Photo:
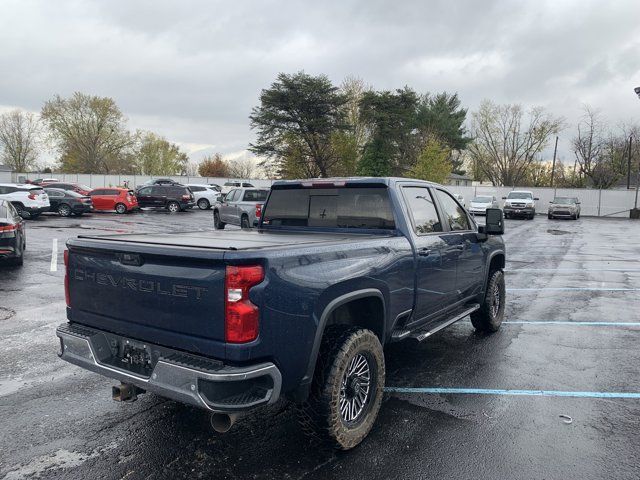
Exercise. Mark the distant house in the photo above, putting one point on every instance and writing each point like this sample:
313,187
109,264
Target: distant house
456,180
5,174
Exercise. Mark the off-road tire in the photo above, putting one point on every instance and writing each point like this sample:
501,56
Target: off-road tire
120,208
487,318
320,415
217,223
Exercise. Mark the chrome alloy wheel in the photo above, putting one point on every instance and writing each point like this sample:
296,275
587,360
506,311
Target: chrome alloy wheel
355,389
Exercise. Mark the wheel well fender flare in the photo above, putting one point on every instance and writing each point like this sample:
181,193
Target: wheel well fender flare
494,254
324,317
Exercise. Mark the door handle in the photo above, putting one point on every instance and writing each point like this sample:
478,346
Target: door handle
424,252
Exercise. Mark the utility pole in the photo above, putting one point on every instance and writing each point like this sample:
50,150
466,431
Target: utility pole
553,165
629,165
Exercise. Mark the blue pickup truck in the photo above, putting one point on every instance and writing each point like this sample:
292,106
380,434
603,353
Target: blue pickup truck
300,308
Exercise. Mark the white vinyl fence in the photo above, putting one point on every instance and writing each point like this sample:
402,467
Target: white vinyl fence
95,180
597,203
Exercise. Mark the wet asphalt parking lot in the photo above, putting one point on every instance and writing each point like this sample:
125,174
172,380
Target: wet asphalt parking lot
569,346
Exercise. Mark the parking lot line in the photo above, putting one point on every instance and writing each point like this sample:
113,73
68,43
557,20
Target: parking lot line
577,323
54,255
578,289
514,270
492,391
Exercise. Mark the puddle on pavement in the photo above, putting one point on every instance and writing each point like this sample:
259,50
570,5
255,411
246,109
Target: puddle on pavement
6,313
557,232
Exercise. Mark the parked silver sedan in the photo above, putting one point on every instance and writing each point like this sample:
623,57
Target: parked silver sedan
480,204
241,206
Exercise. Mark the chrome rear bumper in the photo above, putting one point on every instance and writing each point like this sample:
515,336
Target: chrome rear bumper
186,378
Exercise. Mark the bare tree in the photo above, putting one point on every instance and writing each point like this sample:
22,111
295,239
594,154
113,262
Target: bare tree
242,168
506,143
598,152
19,139
353,88
88,130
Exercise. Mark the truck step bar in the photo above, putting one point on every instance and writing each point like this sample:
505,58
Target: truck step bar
421,335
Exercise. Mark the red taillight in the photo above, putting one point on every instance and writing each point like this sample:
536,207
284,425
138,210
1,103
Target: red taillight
32,196
8,228
186,197
66,278
258,210
241,316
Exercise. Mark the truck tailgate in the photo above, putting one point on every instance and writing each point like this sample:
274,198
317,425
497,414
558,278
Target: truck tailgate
157,294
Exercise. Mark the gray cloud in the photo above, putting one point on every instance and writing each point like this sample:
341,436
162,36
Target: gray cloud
193,70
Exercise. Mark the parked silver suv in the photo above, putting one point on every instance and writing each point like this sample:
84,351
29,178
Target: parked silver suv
566,207
241,206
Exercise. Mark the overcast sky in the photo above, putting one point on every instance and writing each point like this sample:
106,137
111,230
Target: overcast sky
193,70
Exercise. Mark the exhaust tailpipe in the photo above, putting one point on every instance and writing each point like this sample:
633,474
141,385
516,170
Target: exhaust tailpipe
222,422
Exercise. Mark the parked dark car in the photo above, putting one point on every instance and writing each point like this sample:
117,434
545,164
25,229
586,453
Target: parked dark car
13,237
175,198
73,187
158,181
300,308
67,202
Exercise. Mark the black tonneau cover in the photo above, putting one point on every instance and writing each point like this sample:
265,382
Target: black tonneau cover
231,239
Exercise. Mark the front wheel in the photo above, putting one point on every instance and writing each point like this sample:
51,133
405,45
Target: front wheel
217,223
346,392
491,313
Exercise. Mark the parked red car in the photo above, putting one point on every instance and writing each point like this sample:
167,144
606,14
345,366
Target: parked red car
122,200
74,187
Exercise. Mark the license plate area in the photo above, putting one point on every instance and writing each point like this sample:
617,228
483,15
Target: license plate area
133,356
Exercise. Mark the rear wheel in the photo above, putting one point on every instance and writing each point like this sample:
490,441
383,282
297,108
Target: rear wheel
244,222
549,216
121,208
203,204
22,212
173,207
217,223
64,210
489,317
347,388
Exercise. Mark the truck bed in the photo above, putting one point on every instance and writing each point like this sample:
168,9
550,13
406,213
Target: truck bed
234,240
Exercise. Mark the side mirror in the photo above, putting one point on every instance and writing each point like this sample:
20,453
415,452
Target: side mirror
504,198
494,224
577,203
550,201
536,198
